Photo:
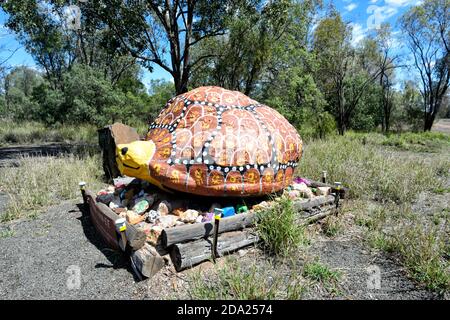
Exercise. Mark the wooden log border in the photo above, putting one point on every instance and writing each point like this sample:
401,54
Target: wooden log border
191,232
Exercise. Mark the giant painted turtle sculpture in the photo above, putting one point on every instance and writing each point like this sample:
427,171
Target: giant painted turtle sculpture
215,142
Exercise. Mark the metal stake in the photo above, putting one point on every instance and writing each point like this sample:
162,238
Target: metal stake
217,216
324,176
82,186
121,227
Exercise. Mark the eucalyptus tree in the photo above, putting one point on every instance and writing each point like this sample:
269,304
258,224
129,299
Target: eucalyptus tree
164,32
427,31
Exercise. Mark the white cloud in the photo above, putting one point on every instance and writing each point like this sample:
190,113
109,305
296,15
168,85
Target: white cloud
377,15
399,3
358,33
351,7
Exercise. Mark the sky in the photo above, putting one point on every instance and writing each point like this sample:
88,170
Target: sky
364,16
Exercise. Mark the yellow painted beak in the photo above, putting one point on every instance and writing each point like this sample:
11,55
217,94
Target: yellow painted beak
133,160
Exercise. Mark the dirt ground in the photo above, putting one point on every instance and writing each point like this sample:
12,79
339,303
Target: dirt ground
443,125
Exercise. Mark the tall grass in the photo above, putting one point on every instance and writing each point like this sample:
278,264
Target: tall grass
35,132
370,172
39,182
278,228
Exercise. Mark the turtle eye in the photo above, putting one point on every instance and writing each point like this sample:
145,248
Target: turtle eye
124,151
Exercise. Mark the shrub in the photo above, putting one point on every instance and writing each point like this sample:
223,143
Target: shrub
278,228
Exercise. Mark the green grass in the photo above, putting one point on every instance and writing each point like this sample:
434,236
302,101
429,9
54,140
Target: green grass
7,233
441,190
278,228
35,132
407,141
319,272
418,142
39,182
237,281
384,181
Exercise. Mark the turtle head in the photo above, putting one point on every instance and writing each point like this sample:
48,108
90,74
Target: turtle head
133,159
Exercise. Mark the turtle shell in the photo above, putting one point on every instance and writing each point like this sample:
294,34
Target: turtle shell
215,142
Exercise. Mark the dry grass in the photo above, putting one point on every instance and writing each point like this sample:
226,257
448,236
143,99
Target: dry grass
420,242
43,181
370,172
35,132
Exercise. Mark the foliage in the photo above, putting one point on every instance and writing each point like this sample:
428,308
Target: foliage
427,32
87,98
295,56
278,228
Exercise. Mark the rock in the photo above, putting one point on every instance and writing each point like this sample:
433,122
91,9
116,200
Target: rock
146,228
122,181
261,206
105,198
304,190
189,216
123,214
199,219
119,210
242,252
141,206
129,194
167,221
323,191
208,217
298,180
154,234
125,203
293,194
152,216
134,218
115,203
163,208
178,211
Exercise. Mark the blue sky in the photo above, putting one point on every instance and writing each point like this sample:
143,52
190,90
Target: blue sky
364,16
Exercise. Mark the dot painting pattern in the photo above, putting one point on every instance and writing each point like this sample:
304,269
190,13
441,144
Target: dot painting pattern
212,141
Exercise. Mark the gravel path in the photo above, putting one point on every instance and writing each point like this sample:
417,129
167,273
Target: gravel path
358,265
35,260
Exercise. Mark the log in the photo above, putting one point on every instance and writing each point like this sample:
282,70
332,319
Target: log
186,255
146,262
327,212
104,219
190,232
